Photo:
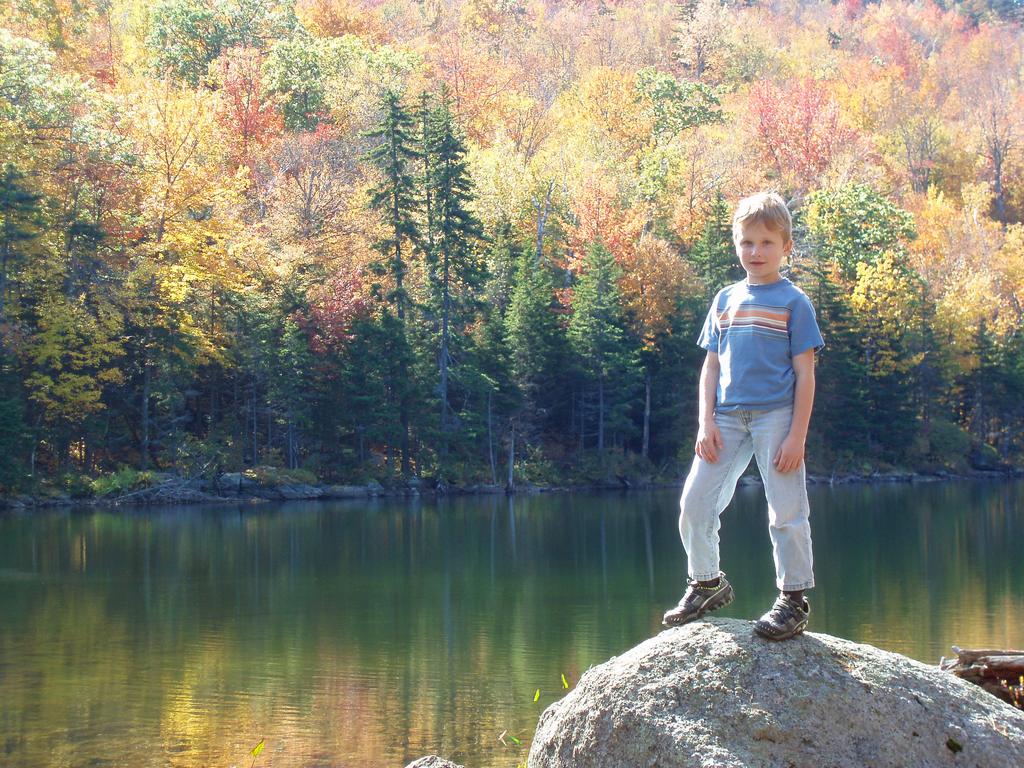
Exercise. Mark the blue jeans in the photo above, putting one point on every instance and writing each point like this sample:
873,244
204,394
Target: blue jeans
710,487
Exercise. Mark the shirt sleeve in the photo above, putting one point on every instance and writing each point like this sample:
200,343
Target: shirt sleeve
804,333
709,333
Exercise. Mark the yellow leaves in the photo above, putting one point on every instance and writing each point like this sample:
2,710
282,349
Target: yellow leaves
72,355
177,139
887,300
654,278
606,102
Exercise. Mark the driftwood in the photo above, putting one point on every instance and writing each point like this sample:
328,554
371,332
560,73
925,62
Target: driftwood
1001,673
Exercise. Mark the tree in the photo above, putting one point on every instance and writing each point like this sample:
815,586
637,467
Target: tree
534,338
185,36
598,335
714,255
245,109
801,130
886,300
13,432
456,268
395,200
854,224
20,223
296,72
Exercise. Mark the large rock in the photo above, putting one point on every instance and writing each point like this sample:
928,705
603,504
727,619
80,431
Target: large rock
713,694
432,761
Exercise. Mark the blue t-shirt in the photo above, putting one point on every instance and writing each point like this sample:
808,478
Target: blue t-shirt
756,331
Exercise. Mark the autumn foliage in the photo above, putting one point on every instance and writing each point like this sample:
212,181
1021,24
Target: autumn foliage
207,242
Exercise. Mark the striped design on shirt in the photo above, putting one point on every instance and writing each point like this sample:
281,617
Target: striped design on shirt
756,319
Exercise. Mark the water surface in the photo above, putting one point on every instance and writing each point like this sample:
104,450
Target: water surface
371,633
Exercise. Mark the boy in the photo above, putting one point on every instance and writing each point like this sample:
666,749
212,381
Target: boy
756,393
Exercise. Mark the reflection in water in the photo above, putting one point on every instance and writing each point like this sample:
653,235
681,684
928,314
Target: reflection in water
367,634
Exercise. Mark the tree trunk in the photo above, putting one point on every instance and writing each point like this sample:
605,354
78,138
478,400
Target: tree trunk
542,218
490,442
647,415
146,378
600,416
444,355
510,486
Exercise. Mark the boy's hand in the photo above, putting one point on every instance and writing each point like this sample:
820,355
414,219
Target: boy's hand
709,442
789,455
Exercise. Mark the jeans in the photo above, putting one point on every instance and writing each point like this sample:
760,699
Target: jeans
710,487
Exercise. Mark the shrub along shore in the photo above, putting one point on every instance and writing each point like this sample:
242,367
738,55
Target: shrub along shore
129,487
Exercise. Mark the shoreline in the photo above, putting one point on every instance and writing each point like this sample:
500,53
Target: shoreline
240,489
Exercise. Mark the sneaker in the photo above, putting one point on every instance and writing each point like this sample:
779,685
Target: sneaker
786,619
699,600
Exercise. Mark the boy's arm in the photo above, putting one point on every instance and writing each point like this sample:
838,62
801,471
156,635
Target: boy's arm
709,438
791,451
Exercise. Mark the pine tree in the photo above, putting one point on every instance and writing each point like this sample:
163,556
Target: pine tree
608,358
534,338
13,437
395,199
840,375
20,222
714,255
454,234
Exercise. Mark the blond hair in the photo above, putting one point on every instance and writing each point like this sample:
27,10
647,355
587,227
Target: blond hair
766,207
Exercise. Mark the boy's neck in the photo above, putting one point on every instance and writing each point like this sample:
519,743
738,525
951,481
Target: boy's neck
763,281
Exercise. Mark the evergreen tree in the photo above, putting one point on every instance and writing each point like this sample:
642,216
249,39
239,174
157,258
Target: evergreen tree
13,433
456,268
20,222
395,199
535,339
840,398
714,254
608,358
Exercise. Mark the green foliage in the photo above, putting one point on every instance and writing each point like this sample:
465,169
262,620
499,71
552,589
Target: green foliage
296,71
677,105
714,255
20,223
948,444
534,337
278,476
13,430
187,35
856,224
607,357
122,481
395,197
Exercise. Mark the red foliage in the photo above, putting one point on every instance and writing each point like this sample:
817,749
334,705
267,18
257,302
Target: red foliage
333,307
800,129
600,218
245,112
896,46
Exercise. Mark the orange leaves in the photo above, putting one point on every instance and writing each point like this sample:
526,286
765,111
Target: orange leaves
655,276
601,218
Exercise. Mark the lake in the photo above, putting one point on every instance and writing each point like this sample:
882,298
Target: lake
370,633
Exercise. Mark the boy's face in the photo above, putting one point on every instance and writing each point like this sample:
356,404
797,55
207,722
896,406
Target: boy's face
761,251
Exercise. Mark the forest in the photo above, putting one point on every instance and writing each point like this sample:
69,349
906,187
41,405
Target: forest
395,239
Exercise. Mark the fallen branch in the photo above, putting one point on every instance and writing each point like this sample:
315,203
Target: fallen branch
1001,673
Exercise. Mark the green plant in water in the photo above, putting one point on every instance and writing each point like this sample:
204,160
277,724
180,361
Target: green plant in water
255,751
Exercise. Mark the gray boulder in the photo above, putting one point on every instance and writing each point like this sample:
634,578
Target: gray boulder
432,761
345,492
711,693
299,491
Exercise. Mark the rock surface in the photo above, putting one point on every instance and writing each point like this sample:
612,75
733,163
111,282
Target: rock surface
432,761
713,694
